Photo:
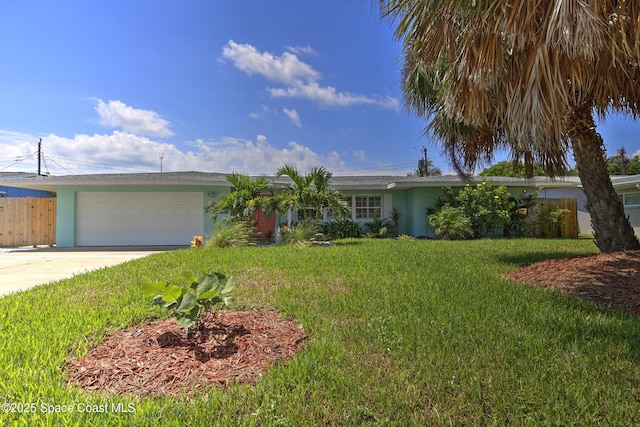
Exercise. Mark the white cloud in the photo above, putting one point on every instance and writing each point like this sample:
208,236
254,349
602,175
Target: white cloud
302,50
18,151
262,112
122,152
293,116
117,152
285,69
331,97
116,114
261,157
360,155
299,78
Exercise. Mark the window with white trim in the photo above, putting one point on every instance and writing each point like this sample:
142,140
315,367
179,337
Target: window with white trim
363,207
367,207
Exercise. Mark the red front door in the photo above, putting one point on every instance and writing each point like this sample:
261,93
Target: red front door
265,226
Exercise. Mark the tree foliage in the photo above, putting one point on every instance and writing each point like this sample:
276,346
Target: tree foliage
618,164
487,208
311,190
247,197
622,164
526,77
506,168
426,169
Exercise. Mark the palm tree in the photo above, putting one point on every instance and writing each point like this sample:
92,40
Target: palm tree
247,197
311,191
426,169
526,76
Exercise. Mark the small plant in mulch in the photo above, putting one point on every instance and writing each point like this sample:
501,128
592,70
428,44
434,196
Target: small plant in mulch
190,300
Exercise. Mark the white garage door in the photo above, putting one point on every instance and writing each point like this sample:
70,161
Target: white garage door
114,219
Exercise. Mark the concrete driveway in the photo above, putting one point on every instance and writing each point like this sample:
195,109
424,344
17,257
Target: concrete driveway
23,268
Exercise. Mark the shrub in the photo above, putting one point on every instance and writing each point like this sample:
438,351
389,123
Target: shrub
303,233
394,219
341,229
189,300
517,223
230,234
377,228
487,208
404,237
451,224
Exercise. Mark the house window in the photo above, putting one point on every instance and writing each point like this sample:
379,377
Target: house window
632,199
362,207
367,207
330,214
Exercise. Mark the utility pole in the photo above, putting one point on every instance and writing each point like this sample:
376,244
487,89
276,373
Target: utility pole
39,157
423,166
161,157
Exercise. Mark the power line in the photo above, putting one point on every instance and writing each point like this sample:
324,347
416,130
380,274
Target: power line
74,162
19,161
45,164
53,161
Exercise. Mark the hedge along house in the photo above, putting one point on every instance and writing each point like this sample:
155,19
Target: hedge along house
170,208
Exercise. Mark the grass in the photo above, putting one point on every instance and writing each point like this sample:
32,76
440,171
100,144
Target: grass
401,333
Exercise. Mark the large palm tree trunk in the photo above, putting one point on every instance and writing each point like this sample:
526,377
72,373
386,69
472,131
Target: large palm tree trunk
611,227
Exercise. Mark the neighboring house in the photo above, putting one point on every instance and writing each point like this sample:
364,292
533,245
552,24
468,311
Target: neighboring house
170,208
628,187
6,191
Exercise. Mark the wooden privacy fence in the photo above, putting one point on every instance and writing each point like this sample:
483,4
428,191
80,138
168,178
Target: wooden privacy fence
567,225
27,221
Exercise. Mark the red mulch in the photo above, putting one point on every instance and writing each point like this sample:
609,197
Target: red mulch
156,358
611,279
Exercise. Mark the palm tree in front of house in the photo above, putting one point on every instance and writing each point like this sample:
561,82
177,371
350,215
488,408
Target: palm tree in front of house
311,192
248,196
526,77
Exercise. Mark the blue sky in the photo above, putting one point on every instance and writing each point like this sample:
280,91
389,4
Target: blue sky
114,86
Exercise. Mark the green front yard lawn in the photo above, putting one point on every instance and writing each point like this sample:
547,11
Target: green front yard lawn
398,333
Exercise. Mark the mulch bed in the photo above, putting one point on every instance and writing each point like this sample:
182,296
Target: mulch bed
611,279
156,358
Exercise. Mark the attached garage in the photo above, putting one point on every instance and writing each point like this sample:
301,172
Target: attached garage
139,209
138,218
